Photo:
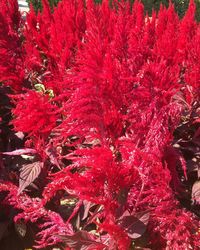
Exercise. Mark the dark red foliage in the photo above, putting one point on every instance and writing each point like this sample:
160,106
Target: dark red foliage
100,97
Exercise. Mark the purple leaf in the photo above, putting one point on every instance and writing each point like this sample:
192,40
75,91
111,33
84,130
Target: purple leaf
134,225
82,240
28,174
94,215
20,228
21,151
87,205
78,221
53,155
196,192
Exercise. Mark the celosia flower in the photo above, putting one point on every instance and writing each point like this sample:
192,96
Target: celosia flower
115,75
34,114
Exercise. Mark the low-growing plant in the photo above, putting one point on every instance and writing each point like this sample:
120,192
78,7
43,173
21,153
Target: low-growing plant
100,126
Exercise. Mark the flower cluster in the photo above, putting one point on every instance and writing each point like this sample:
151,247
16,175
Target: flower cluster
99,92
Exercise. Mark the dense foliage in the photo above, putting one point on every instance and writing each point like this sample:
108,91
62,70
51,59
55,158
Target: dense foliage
181,6
100,126
37,4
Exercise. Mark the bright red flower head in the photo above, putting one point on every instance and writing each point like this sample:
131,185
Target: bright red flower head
34,114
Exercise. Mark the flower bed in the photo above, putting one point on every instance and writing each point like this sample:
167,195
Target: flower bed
100,126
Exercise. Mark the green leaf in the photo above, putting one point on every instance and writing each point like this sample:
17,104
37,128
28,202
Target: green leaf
40,88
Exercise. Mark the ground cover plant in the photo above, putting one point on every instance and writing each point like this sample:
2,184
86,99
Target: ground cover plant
100,126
